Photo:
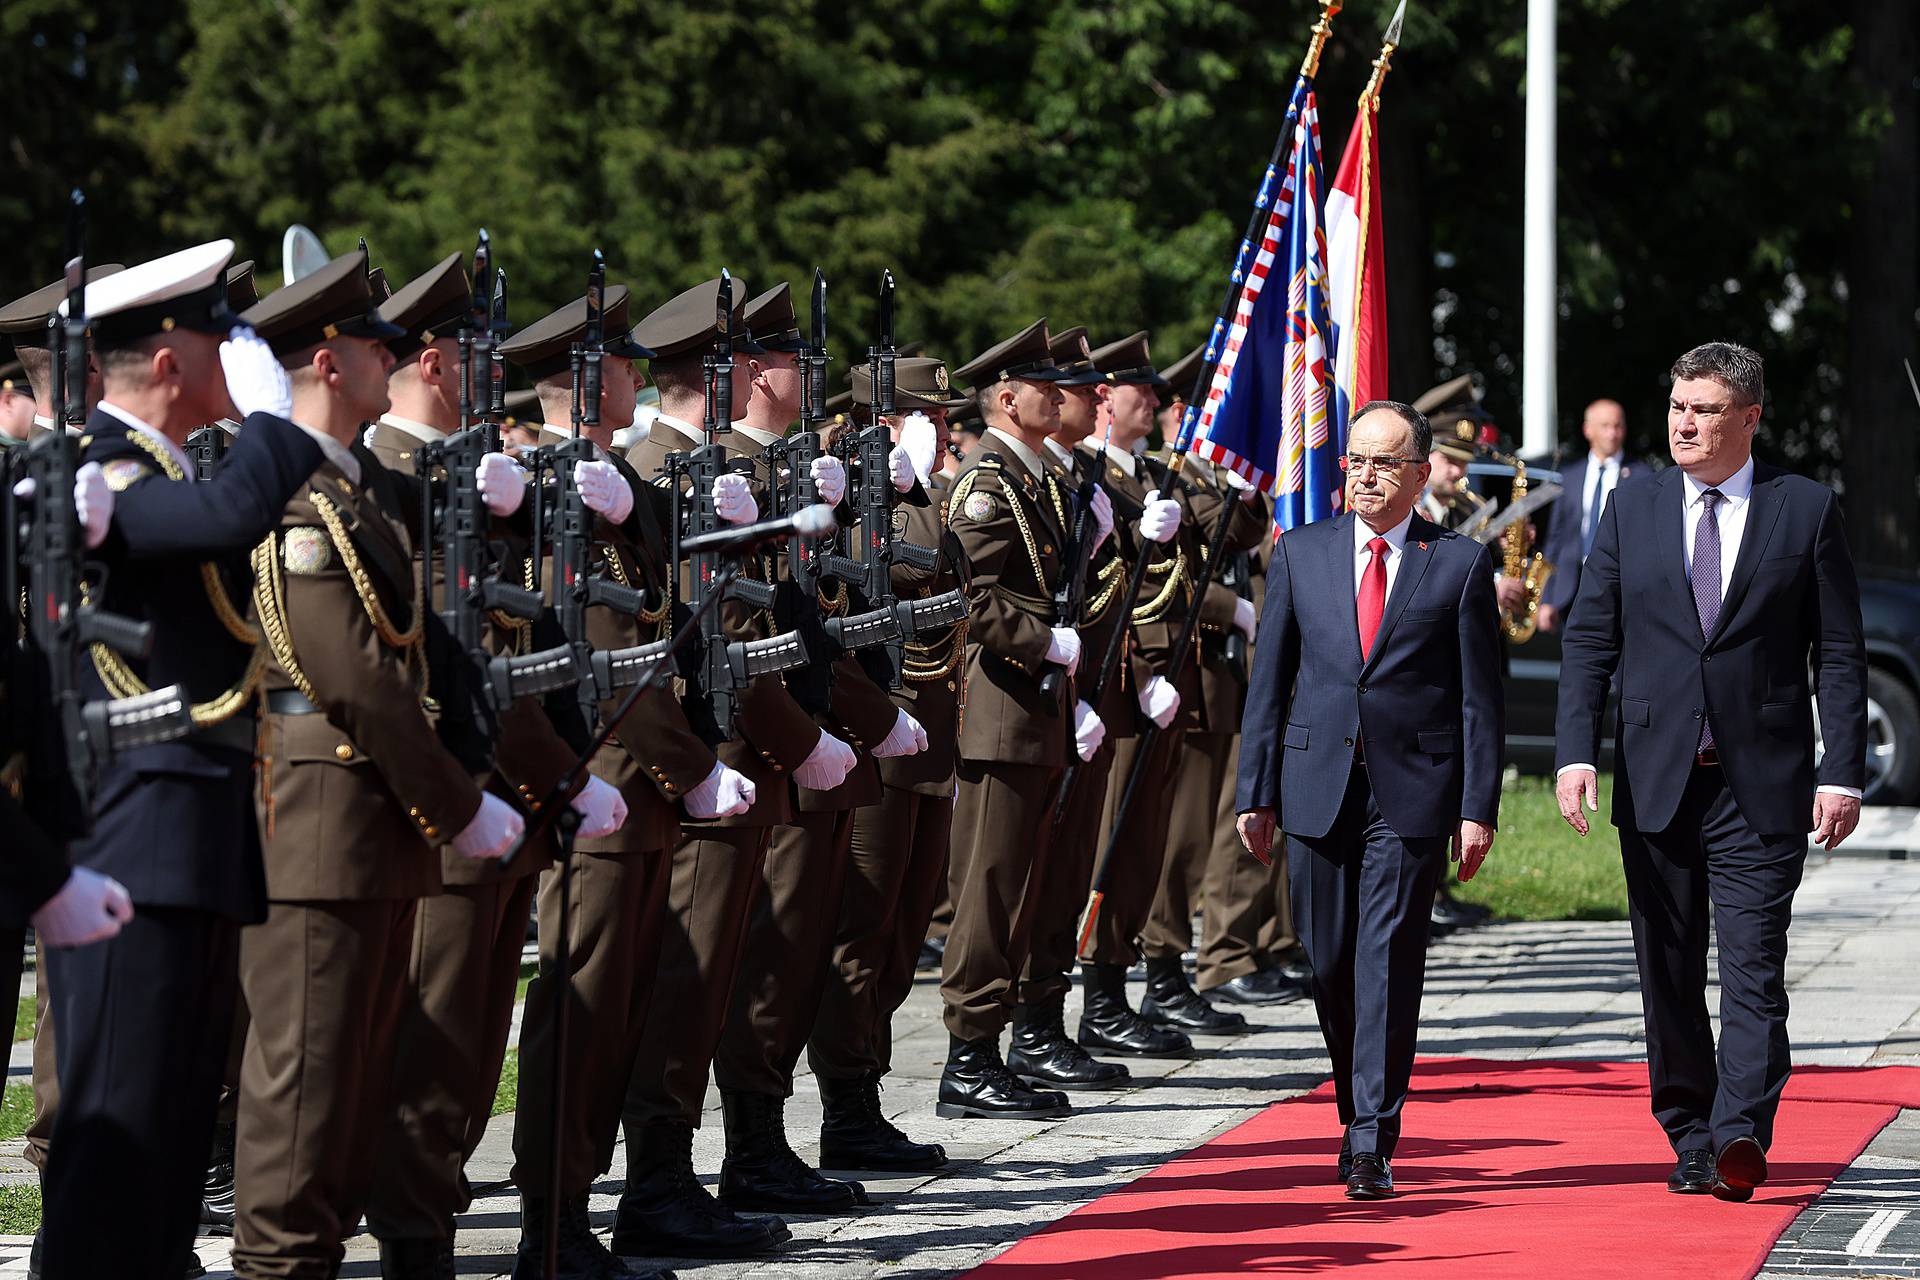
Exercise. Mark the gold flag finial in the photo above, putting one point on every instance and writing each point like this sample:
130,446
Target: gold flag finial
1321,30
1370,96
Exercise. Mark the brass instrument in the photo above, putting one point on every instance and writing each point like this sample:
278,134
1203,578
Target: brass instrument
1521,562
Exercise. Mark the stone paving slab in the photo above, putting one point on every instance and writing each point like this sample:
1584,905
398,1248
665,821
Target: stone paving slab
1515,991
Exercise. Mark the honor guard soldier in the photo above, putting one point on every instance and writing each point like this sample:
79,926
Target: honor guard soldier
784,960
16,405
716,866
1108,1022
897,862
172,821
357,793
24,321
1007,511
619,879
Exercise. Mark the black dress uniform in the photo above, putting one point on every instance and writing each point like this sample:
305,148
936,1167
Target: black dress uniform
143,1020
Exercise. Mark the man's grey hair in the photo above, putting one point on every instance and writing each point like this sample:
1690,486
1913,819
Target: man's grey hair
1737,368
1416,422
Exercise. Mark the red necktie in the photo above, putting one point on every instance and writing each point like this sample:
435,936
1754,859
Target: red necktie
1373,595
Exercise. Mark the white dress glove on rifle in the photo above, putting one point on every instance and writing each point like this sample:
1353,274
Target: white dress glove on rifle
900,469
492,831
921,441
1245,620
503,484
604,491
1064,648
733,498
906,738
1160,519
1160,701
93,502
726,793
1089,730
256,382
827,765
90,907
830,478
1102,517
1237,481
601,809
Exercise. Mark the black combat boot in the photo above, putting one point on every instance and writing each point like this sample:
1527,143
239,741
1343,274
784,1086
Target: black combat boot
216,1198
421,1260
1042,1053
666,1213
976,1083
855,1133
762,1172
1172,1002
580,1256
1108,1024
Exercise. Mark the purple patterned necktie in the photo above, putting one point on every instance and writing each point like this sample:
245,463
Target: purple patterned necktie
1706,582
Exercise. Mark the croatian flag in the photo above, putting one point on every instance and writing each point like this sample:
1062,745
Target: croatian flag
1358,270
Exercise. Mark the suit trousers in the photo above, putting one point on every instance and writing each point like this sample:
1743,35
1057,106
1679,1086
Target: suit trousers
896,868
715,877
142,1020
1141,851
461,984
788,951
617,921
1063,879
1001,826
1709,855
326,984
1364,899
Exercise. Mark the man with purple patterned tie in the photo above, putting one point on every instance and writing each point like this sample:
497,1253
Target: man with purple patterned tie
1721,595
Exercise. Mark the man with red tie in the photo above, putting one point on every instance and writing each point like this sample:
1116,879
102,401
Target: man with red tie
1374,727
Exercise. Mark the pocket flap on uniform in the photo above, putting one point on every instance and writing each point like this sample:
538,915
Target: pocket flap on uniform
1636,711
1297,736
310,739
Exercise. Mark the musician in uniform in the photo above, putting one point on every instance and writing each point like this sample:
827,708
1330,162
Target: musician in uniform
171,821
357,794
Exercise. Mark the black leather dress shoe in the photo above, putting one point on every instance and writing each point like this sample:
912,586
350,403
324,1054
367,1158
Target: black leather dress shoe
856,1134
761,1170
1275,985
1109,1025
1371,1179
1456,914
1043,1056
1692,1174
665,1212
1172,1002
1297,972
977,1085
1346,1157
1741,1167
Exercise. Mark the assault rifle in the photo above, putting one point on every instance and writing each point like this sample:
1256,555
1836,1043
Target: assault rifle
1070,594
798,608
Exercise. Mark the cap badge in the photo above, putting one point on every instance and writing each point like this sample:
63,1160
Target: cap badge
940,378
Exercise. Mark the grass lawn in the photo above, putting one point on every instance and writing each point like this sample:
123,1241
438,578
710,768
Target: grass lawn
20,1209
23,1019
509,1086
16,1111
1541,870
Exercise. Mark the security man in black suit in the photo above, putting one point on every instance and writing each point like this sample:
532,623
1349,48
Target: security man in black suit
143,1020
1721,597
1374,726
1574,522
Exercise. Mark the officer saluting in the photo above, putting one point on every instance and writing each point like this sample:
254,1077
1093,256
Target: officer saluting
173,821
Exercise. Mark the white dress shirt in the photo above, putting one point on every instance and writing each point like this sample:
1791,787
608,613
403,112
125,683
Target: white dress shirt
1602,476
1028,458
1363,555
174,451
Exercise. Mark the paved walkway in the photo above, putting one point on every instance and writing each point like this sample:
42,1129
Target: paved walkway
1508,991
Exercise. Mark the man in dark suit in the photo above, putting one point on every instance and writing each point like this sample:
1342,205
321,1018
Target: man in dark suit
1716,593
1374,725
1575,518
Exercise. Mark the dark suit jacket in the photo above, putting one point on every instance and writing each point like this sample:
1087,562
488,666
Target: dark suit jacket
1427,703
1562,544
1793,608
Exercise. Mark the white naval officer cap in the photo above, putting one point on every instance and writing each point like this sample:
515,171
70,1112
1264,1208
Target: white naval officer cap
184,290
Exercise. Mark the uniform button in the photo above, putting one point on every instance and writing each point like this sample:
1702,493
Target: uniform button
343,752
950,687
1349,742
413,813
1046,550
433,833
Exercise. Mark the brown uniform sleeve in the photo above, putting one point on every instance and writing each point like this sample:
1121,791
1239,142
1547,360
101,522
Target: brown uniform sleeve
863,710
990,542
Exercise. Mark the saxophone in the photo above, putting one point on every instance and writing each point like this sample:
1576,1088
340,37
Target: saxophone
1522,563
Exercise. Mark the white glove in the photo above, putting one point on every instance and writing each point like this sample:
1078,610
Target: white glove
503,483
1160,701
604,491
492,832
255,381
90,907
907,739
726,793
827,765
1102,517
830,478
600,807
1245,620
1237,481
1160,519
733,498
1089,731
900,469
93,500
1064,648
920,439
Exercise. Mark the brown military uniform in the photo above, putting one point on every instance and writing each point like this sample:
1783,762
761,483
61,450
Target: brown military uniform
1014,740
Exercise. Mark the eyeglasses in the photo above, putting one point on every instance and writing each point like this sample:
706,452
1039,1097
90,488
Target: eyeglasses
1386,464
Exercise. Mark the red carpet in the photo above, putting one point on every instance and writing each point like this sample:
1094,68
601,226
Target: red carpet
1506,1169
